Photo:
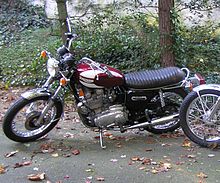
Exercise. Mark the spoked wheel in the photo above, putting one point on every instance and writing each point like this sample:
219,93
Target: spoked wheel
196,119
21,122
173,100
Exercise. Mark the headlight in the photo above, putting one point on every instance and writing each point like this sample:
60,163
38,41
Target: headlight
52,66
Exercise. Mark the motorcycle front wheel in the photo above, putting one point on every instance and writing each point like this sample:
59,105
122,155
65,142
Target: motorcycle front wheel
21,122
195,120
173,100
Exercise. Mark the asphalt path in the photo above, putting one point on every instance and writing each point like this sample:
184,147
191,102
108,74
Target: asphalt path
71,153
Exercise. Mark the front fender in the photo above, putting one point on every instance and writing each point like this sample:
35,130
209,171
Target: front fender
37,92
207,86
41,92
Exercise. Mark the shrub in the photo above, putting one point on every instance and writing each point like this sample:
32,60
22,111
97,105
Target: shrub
127,42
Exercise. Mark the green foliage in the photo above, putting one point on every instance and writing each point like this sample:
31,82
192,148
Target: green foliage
20,64
128,42
17,18
197,47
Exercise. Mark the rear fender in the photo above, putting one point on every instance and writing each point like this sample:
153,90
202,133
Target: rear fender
200,88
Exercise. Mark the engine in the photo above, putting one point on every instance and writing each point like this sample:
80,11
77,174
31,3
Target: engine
98,105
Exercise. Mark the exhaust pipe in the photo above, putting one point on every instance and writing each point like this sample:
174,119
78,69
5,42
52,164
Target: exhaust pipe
155,122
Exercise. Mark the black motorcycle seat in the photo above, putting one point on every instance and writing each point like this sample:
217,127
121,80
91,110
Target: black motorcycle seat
154,78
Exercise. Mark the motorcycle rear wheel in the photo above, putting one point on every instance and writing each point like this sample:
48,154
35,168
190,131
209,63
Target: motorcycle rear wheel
193,118
175,100
21,124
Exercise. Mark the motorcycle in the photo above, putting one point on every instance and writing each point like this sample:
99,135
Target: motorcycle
105,97
200,115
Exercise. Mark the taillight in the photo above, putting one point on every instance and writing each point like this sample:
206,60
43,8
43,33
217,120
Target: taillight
200,79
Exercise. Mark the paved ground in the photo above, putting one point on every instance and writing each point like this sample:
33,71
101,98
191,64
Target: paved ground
71,154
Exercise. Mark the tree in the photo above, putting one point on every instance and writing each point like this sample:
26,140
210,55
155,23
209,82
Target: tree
62,14
165,30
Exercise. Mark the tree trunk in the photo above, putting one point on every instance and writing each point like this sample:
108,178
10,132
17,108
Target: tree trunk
165,29
62,14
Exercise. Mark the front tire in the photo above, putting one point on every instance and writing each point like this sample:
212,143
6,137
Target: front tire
193,119
21,123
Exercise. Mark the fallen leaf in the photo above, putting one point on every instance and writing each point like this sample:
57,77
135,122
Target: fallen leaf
100,179
26,163
90,170
146,161
123,156
35,168
2,169
154,171
166,145
66,155
186,143
135,158
167,165
142,168
55,155
211,155
11,154
180,162
46,148
89,178
191,156
153,163
36,177
107,134
148,149
202,175
113,160
213,145
76,152
66,177
131,162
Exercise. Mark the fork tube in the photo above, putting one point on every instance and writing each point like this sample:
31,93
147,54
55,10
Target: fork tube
50,104
48,82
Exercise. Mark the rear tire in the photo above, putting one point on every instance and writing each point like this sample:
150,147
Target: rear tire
170,126
30,131
196,128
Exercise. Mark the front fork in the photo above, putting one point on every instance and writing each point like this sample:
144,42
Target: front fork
50,104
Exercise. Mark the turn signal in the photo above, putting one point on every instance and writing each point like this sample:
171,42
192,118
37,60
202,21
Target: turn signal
190,87
81,93
43,54
63,82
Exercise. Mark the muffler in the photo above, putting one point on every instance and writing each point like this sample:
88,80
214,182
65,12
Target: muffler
154,122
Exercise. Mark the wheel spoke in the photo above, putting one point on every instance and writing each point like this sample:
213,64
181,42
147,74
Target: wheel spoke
197,119
25,122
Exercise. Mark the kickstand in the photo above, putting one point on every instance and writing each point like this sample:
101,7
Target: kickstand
101,139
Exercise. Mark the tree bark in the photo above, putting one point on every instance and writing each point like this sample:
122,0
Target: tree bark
165,30
62,14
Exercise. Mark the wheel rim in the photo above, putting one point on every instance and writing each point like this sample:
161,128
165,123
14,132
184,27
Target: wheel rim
175,101
198,123
25,122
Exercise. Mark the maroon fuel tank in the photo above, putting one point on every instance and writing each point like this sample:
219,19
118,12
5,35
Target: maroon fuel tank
93,77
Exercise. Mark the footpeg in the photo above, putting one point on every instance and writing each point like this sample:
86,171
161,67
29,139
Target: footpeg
101,139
